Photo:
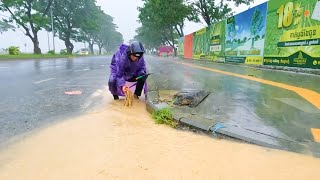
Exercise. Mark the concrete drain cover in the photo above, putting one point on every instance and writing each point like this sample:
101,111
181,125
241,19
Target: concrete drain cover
191,98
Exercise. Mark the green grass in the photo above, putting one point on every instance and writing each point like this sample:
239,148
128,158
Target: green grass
38,56
164,116
33,56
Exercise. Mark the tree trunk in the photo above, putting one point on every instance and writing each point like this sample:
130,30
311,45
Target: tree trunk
174,49
179,30
208,21
36,48
100,49
69,46
90,47
175,52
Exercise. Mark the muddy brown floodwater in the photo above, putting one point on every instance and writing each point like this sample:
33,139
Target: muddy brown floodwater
124,143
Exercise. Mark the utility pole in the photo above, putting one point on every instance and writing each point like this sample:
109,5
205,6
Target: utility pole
54,47
48,41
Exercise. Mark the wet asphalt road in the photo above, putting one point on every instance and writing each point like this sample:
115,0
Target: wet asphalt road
33,91
33,94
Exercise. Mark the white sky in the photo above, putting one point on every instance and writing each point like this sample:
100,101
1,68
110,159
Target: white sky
125,15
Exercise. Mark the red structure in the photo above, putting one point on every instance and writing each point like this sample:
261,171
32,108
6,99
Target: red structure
188,45
165,51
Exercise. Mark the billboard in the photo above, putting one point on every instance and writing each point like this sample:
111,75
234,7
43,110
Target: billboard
216,44
181,47
293,33
200,44
245,36
208,43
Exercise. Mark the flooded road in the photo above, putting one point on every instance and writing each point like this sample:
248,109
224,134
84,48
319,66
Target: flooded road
124,143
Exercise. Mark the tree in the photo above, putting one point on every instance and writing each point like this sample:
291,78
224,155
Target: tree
91,24
150,37
165,17
97,28
107,32
113,41
31,15
5,26
68,16
256,25
213,11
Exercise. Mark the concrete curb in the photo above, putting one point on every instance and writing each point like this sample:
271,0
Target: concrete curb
309,71
233,131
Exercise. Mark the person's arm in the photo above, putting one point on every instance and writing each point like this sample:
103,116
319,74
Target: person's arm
142,69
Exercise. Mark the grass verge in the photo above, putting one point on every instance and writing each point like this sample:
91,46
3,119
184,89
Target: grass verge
164,116
33,56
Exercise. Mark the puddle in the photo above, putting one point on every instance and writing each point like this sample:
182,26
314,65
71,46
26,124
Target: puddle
118,142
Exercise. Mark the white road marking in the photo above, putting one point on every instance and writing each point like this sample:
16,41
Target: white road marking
81,70
45,80
96,96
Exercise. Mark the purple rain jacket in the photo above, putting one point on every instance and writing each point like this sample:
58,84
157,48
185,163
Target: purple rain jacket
122,69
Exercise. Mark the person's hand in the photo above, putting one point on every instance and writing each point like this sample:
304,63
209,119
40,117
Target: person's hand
125,89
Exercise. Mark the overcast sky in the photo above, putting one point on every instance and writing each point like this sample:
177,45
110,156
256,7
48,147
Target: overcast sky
125,15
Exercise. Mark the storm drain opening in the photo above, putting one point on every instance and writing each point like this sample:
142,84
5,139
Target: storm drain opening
191,98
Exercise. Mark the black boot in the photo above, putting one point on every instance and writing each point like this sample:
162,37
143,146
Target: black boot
115,97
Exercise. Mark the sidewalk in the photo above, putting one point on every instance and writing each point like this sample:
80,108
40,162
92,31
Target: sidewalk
270,108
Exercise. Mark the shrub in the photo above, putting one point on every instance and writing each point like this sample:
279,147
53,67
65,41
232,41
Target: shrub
63,51
13,50
51,52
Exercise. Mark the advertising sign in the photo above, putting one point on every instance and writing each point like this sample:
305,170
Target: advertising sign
293,33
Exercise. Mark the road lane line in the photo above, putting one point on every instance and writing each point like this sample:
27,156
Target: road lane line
42,81
81,70
91,99
309,95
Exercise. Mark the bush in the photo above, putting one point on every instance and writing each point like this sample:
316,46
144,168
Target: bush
63,51
51,52
13,50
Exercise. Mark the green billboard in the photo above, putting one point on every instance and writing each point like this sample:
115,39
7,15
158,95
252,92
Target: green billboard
216,36
293,33
245,36
208,43
200,44
181,47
